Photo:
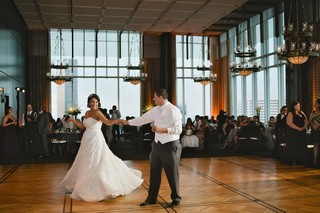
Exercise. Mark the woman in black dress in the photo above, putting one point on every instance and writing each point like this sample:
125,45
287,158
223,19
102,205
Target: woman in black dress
10,135
297,123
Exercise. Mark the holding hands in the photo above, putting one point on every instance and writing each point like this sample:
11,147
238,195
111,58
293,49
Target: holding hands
123,122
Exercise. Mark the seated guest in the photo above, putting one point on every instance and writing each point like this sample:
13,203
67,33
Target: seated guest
256,122
64,122
58,125
213,120
229,131
272,122
201,132
189,139
243,121
189,121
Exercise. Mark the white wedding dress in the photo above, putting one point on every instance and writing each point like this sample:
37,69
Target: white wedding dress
96,173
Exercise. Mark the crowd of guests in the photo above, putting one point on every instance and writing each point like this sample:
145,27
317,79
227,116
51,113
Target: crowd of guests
288,132
31,136
194,132
33,140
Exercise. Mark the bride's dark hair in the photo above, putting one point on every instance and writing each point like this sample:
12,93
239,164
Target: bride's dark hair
93,96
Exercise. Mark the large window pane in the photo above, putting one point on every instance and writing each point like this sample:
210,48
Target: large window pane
267,89
101,75
107,90
274,92
78,47
129,99
102,50
192,98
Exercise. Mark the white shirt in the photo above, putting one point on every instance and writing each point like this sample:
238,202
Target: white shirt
165,116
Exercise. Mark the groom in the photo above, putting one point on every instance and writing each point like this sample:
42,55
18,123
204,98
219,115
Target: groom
166,147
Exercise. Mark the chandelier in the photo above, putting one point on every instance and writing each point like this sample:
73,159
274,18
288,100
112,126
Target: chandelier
206,79
59,68
204,73
135,74
245,63
298,35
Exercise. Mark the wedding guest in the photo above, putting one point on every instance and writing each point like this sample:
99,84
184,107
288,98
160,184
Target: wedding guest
272,122
297,123
201,132
115,128
189,139
43,120
29,130
10,135
281,126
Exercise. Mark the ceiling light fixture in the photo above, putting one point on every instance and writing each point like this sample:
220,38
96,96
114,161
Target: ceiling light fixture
245,63
59,68
205,73
135,74
299,44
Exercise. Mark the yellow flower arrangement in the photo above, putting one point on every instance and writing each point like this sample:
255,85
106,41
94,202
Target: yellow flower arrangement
147,108
74,111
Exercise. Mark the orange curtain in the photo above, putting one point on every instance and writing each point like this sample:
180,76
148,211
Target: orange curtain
221,89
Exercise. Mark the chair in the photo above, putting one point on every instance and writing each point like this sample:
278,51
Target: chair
145,137
248,137
129,133
58,144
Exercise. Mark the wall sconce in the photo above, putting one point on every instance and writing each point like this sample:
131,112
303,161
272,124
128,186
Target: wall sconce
20,89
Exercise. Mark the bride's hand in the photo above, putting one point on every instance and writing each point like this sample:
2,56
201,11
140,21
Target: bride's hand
118,122
124,122
70,120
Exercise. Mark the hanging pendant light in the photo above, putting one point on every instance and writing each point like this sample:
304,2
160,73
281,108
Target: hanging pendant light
135,74
59,68
299,37
204,74
245,63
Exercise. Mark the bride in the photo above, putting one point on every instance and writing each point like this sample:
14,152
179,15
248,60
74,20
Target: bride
96,173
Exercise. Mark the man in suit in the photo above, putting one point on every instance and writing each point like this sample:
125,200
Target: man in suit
281,125
42,128
29,130
115,128
166,147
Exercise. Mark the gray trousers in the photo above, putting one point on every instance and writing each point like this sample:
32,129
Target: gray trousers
165,156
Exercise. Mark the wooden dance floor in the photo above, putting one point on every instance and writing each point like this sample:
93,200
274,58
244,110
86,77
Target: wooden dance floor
217,184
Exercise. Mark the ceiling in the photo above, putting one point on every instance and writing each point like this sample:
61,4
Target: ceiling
149,16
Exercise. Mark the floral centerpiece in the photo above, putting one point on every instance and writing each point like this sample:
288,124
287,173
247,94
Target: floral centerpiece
147,108
74,111
258,109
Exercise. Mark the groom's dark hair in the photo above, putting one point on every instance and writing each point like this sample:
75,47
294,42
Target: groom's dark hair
162,92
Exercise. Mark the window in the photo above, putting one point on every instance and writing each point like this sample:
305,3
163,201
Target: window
101,74
192,98
266,88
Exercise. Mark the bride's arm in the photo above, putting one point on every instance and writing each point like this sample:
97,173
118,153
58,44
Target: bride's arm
79,124
106,121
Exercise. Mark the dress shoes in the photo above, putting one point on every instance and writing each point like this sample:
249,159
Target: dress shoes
173,204
147,202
